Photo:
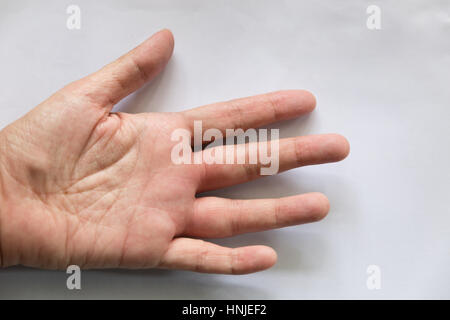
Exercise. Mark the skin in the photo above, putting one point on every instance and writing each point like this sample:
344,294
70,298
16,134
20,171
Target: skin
81,185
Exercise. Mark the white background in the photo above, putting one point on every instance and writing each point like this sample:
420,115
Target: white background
386,90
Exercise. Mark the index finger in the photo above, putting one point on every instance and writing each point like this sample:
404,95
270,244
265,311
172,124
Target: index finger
253,112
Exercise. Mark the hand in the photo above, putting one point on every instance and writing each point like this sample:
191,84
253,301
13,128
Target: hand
81,185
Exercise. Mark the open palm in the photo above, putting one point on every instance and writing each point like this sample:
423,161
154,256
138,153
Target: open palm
81,185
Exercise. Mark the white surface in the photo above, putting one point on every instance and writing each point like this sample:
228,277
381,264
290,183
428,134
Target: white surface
387,91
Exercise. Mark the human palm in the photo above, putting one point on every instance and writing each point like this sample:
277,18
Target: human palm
82,185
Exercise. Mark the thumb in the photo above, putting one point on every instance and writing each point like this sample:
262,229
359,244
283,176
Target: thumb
118,79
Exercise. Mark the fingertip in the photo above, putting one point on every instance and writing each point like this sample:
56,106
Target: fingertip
345,146
338,147
164,42
255,259
271,254
292,103
304,100
168,34
267,257
309,99
318,206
